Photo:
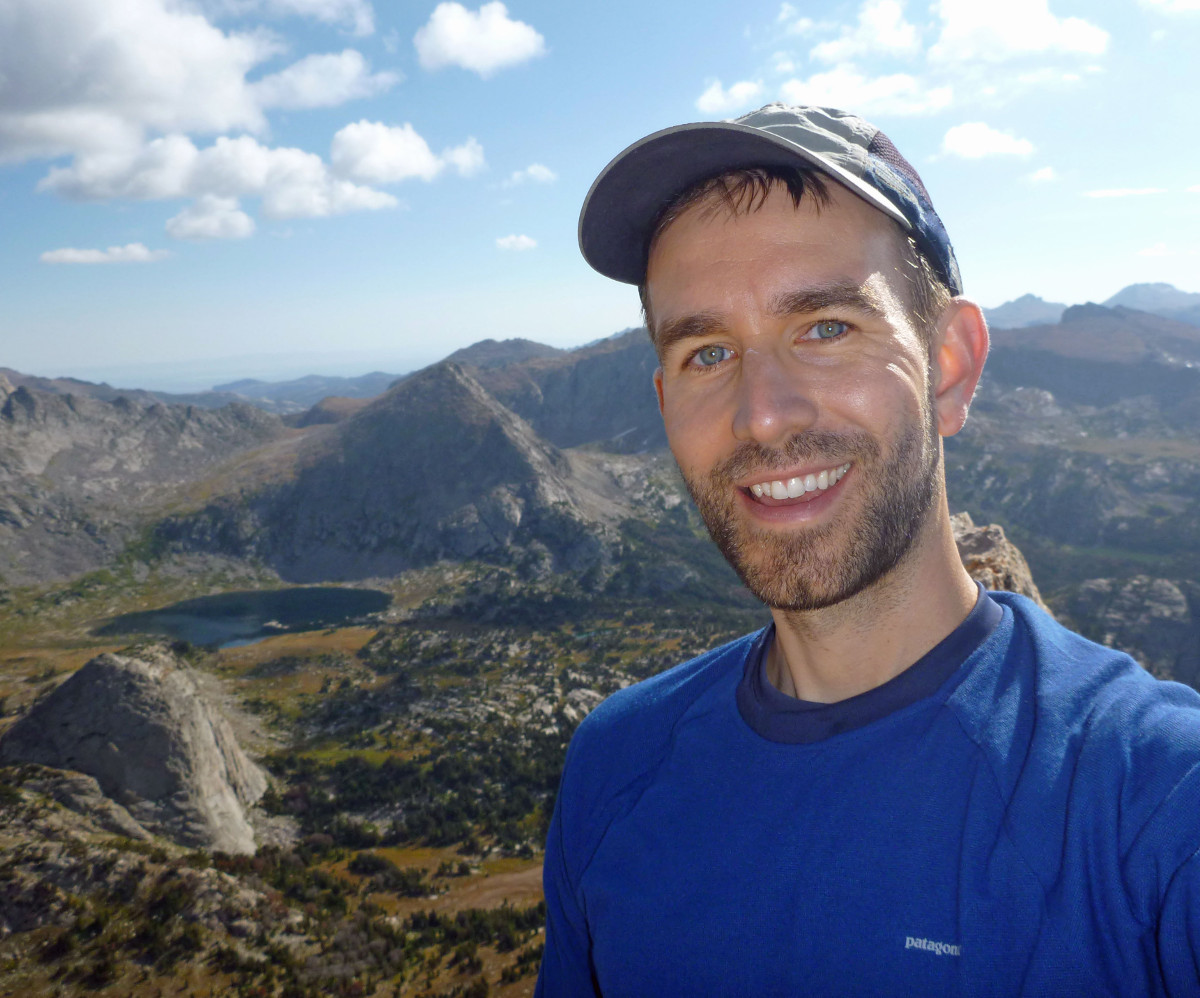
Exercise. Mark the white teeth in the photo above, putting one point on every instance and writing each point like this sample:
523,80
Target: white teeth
794,488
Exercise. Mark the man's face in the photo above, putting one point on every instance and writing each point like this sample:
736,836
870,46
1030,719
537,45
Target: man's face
796,392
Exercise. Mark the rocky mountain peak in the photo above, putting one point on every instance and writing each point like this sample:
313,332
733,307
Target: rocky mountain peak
992,559
1028,310
1154,295
498,353
138,724
1087,312
435,468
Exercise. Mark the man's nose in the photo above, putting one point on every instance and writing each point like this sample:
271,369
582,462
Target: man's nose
774,401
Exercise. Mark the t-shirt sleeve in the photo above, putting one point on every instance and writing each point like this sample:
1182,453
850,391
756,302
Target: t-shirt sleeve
565,965
1179,931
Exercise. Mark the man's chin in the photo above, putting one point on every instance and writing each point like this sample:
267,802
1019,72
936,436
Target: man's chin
798,595
819,569
787,576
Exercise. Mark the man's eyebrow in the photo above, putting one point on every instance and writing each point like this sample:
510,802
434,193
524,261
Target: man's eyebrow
828,297
805,301
686,327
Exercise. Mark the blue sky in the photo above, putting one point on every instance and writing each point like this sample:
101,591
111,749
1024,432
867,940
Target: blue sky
197,190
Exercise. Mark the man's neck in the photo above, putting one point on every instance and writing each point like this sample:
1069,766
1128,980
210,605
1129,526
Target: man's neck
858,644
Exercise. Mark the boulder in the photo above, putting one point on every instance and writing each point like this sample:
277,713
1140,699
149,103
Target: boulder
138,724
992,559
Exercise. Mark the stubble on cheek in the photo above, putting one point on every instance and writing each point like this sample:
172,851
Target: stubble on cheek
818,565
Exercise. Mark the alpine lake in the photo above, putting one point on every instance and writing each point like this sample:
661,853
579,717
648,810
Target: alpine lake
240,618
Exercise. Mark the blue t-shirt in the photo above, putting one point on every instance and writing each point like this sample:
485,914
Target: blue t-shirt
1026,825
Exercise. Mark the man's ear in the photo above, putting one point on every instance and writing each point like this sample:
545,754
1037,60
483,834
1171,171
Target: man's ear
961,348
658,388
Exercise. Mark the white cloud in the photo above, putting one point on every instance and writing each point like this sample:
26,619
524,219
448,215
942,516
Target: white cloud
291,182
388,154
211,217
993,32
1124,192
303,188
1173,6
1048,76
356,15
975,140
881,29
516,243
844,86
131,253
1043,175
160,169
373,151
467,159
92,76
483,41
1194,189
88,75
322,81
782,64
792,20
717,100
534,173
1158,249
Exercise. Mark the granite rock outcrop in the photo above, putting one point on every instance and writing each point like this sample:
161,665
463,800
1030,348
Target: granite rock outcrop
991,559
139,726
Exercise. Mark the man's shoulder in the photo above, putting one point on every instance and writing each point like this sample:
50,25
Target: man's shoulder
652,706
1073,701
1087,747
1077,674
618,748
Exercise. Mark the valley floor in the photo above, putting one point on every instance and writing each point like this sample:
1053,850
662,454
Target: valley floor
414,762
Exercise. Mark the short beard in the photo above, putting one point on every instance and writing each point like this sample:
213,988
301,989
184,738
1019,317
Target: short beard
810,568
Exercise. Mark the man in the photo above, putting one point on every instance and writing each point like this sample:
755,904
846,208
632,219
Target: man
905,785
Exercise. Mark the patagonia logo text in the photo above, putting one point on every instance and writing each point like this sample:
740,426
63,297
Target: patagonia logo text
938,949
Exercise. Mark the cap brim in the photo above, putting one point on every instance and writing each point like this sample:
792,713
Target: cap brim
626,198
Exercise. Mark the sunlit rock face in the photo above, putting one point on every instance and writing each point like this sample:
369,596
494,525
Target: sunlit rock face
434,469
992,559
141,728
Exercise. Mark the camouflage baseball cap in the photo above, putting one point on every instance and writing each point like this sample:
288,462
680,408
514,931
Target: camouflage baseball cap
625,201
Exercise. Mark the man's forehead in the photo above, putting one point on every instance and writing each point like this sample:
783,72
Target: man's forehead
806,247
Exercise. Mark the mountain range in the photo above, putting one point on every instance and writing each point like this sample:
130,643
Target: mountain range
1083,443
1157,298
296,397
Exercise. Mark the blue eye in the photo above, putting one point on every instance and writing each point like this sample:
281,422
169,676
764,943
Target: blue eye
828,329
710,356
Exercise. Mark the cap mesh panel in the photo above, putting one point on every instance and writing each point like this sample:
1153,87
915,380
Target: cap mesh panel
881,146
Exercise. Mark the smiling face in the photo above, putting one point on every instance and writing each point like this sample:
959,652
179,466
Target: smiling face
796,392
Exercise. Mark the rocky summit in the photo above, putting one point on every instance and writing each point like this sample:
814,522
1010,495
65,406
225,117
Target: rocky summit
992,560
138,725
436,468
